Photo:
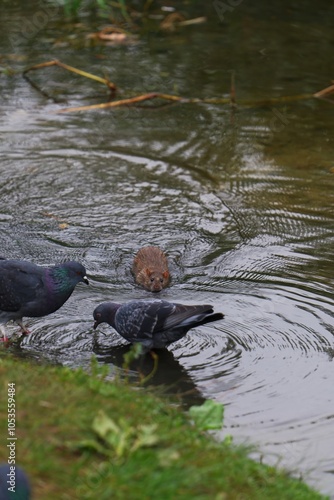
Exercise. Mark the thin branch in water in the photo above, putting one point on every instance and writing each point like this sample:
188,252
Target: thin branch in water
232,91
133,101
105,81
324,93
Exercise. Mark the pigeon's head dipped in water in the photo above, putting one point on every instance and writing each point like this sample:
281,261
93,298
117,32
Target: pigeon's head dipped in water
105,313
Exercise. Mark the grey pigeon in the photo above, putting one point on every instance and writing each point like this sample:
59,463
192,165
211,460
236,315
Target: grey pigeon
154,323
30,290
14,483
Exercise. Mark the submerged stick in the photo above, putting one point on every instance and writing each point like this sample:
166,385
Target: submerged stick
232,90
112,87
141,98
323,94
184,100
132,101
113,104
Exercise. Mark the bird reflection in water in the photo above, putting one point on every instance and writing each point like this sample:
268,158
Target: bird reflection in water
154,368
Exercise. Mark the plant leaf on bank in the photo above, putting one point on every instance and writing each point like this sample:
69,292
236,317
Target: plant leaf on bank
146,437
122,438
103,426
208,416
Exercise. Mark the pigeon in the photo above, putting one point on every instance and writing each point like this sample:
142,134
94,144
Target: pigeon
27,289
14,483
153,323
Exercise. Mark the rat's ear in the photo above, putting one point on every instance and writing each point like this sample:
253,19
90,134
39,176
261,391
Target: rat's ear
165,274
148,272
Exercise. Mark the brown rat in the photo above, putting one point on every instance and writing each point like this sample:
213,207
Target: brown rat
150,269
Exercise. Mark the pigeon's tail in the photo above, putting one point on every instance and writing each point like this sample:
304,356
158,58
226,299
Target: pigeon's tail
209,318
201,319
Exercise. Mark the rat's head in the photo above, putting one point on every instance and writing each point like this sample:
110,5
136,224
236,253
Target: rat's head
156,280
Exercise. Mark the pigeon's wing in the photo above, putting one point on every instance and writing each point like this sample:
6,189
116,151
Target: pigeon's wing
139,320
182,313
19,283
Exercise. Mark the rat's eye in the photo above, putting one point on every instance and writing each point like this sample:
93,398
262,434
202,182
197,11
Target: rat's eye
152,279
161,280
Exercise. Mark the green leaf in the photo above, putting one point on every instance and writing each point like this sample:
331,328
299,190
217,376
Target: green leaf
208,416
146,437
103,426
122,437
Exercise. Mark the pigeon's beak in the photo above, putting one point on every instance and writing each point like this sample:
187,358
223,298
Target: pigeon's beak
97,317
85,280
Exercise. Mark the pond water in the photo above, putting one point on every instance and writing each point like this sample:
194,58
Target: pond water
240,199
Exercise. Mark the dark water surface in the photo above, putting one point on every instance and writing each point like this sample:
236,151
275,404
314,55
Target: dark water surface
242,201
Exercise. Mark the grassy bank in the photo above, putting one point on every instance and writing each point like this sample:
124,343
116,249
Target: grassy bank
80,437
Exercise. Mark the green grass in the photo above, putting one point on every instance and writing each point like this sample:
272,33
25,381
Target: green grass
172,459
